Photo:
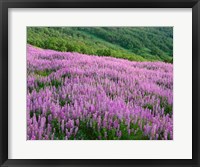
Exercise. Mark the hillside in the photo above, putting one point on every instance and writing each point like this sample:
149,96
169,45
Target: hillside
73,96
132,43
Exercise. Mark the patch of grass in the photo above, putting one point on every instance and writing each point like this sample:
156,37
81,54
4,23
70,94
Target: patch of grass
43,73
56,83
67,100
133,136
149,106
37,114
62,102
31,114
48,113
92,133
42,85
168,109
86,133
58,131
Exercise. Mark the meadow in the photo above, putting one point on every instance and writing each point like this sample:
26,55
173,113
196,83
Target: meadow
76,96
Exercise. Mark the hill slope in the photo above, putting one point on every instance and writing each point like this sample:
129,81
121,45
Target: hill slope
132,43
78,96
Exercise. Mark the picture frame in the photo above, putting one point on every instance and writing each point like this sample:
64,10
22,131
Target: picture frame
4,81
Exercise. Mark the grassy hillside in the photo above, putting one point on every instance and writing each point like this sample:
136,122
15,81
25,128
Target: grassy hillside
132,43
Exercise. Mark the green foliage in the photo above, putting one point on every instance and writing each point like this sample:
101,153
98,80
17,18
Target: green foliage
47,114
92,133
168,109
43,73
37,114
104,52
66,100
149,106
132,43
86,133
55,83
42,85
58,134
62,102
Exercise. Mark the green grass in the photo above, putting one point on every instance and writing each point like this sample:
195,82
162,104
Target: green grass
37,114
42,85
43,73
92,133
58,135
168,109
149,106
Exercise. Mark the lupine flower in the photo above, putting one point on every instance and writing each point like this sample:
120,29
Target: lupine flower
66,90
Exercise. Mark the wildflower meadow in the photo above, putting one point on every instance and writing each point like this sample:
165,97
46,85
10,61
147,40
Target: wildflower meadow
75,96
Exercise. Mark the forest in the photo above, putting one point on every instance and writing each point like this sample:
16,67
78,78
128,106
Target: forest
132,43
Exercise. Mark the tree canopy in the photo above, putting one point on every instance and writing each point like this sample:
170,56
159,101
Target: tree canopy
132,43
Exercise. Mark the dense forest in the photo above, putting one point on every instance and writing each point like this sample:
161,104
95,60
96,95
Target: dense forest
132,43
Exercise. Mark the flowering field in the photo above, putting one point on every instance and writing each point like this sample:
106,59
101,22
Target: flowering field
72,96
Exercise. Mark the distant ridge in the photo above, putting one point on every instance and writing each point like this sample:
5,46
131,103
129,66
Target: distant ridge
132,43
